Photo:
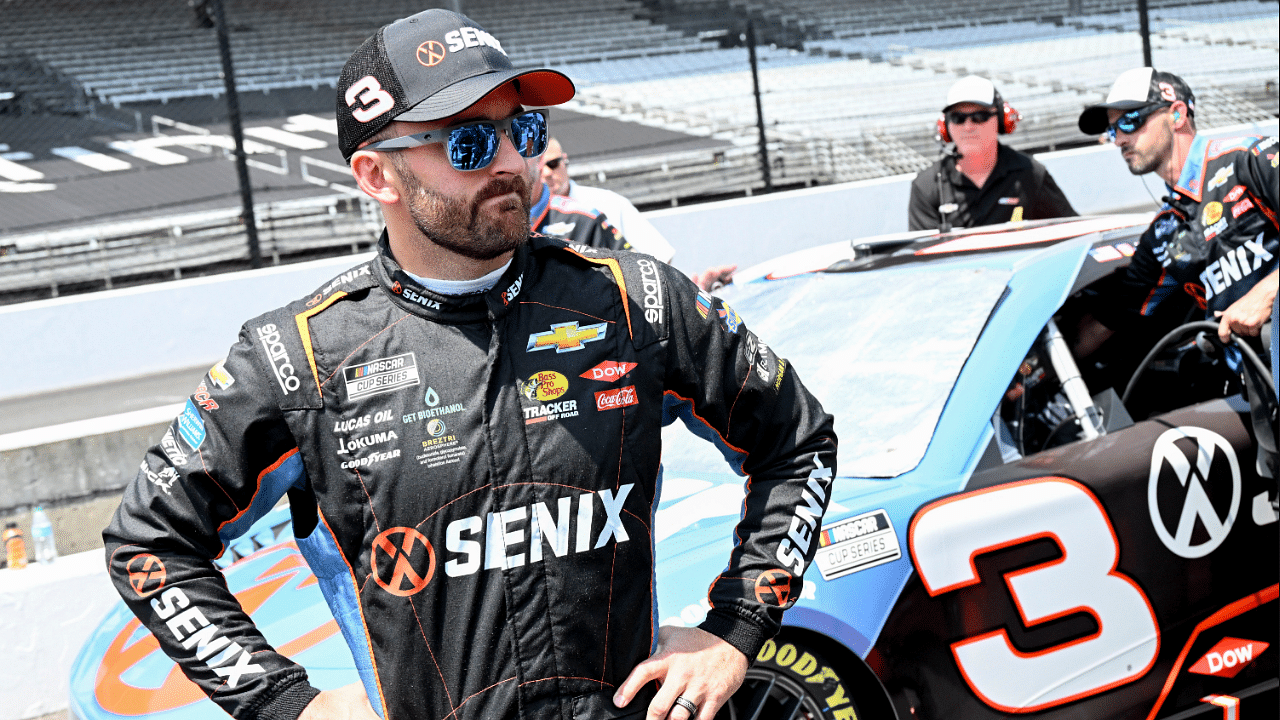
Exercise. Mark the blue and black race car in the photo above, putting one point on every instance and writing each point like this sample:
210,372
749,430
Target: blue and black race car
1011,531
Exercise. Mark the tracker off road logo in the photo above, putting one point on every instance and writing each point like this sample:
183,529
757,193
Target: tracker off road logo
1192,525
146,574
773,587
399,565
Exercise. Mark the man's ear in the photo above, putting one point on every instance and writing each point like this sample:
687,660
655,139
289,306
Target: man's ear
376,176
1179,115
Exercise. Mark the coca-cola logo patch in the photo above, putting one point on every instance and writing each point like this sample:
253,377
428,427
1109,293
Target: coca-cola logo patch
616,398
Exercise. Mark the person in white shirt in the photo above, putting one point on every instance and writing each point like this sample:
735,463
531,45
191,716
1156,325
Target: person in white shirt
642,235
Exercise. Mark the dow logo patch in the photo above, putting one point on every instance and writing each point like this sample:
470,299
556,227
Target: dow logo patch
402,560
146,574
1193,491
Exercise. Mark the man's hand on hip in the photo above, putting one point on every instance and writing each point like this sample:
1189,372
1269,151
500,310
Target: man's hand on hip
345,703
692,664
1246,315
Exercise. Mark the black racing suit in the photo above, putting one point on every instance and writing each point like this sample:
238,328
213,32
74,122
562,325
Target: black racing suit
473,481
1215,237
563,217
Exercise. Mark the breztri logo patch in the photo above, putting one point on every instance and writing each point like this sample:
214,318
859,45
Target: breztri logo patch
380,376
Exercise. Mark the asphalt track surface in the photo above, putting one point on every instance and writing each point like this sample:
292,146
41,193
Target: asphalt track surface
87,195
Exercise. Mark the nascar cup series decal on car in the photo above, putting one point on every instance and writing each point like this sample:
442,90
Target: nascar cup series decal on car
855,544
544,385
492,538
1228,657
566,337
609,371
1176,494
381,376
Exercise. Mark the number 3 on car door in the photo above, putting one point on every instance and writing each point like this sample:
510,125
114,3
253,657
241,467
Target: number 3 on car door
947,535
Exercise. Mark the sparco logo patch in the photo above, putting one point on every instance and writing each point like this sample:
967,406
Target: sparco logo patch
566,337
194,631
609,371
269,336
651,286
616,398
381,376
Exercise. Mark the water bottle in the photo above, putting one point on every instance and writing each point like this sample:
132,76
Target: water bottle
14,547
42,536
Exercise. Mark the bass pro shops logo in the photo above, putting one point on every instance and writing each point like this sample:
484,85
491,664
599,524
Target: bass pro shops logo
1187,464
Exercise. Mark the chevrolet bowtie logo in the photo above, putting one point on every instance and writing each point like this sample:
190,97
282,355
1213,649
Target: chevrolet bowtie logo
566,337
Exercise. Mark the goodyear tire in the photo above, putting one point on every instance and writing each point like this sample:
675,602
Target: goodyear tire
791,680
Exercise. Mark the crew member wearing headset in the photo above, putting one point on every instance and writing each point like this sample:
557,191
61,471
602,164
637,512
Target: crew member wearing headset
978,180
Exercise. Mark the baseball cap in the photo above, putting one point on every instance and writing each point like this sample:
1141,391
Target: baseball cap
971,89
1136,88
430,66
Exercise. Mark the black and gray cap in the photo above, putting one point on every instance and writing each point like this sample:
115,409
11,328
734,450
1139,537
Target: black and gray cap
1137,88
428,67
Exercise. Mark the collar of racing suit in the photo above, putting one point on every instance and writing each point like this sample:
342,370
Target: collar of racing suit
410,295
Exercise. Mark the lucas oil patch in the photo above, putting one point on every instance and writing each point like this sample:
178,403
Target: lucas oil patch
855,544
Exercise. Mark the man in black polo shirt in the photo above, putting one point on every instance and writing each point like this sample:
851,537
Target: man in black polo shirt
980,181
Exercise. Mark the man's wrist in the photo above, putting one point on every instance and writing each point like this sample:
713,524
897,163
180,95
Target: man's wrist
748,637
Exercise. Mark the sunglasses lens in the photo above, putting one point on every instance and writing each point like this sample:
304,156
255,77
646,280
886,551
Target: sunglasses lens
959,118
981,116
1130,121
473,146
529,134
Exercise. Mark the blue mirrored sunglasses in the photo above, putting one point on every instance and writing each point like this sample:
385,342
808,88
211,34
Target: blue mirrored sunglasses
1134,119
473,145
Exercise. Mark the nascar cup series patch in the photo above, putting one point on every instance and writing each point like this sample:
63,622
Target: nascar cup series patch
381,376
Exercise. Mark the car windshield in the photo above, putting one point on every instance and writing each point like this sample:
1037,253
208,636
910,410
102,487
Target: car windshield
881,350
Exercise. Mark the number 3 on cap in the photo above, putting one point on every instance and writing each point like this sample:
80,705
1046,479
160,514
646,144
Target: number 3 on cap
374,101
947,535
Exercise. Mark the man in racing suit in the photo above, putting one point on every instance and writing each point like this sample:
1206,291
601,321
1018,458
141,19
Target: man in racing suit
468,430
563,217
1216,239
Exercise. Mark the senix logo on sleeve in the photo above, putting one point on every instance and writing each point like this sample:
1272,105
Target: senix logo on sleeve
381,375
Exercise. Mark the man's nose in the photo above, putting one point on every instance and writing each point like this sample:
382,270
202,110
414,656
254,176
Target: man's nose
508,158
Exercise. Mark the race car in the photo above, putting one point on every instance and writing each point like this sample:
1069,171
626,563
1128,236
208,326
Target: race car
1010,532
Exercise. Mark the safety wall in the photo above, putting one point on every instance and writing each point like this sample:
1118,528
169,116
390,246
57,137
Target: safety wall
100,337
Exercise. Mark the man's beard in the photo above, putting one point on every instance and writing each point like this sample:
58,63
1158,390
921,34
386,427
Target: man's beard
1141,166
460,227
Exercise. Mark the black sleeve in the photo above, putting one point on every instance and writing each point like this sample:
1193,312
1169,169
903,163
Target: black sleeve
922,210
223,463
728,386
1142,287
1049,200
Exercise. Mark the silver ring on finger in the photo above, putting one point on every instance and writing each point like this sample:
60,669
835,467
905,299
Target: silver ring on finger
684,702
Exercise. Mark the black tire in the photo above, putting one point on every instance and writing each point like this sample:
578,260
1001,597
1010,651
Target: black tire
791,680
